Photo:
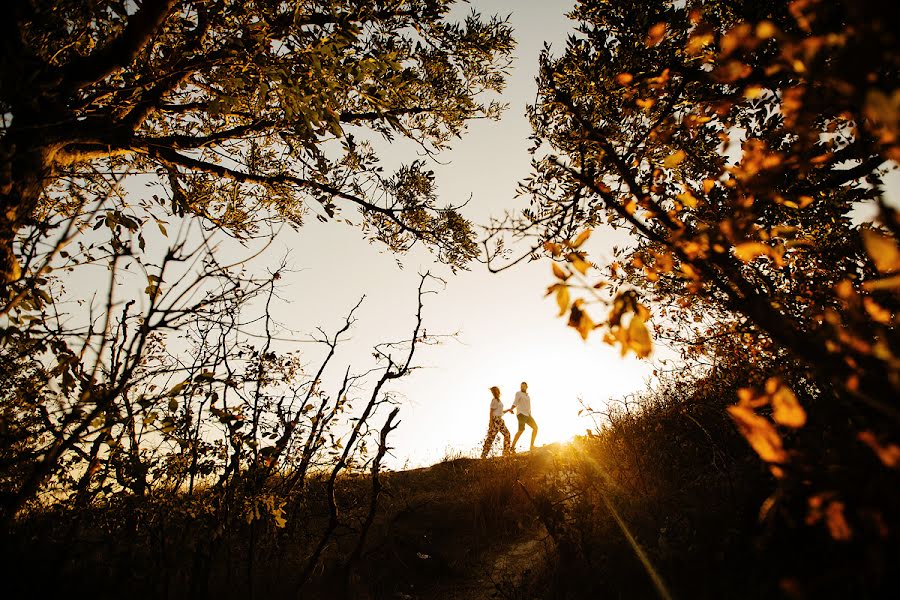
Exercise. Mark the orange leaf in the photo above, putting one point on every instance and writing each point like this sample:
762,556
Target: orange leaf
889,454
785,408
582,238
656,34
883,250
578,262
580,321
836,522
562,299
688,199
674,159
760,433
559,272
747,251
553,248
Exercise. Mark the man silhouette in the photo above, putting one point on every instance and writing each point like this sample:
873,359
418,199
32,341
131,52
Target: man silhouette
522,406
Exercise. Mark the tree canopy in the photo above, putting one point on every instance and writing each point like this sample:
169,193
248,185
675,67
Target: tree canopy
735,141
245,110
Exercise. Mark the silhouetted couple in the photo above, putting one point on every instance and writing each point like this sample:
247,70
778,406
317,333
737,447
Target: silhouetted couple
522,405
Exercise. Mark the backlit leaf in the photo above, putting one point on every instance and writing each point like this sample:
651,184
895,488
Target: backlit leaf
562,299
760,433
559,272
639,337
747,251
674,159
888,454
655,34
582,238
883,250
785,408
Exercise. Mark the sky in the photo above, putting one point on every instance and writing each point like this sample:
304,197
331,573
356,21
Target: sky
506,330
494,329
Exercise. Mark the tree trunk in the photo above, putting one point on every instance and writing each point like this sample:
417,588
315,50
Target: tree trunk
25,169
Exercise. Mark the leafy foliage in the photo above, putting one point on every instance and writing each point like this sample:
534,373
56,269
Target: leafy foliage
737,144
242,109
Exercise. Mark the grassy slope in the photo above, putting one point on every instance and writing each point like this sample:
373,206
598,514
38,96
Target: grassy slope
547,524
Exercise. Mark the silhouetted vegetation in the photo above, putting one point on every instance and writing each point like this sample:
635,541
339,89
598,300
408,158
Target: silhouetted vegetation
162,443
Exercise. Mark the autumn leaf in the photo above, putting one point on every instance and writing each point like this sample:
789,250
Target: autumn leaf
580,320
674,159
887,283
582,238
624,78
889,454
760,433
562,298
688,199
655,34
639,337
883,250
578,262
836,522
553,248
748,251
559,272
785,408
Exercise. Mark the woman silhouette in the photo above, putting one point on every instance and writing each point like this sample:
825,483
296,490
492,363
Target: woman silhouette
496,424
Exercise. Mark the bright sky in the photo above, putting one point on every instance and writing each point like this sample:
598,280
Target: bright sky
507,330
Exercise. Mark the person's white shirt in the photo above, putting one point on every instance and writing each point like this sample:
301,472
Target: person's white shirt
496,407
522,403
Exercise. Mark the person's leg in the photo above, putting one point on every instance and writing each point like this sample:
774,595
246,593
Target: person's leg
521,420
534,430
504,431
489,440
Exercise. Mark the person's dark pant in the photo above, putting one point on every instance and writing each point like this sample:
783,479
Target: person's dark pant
526,420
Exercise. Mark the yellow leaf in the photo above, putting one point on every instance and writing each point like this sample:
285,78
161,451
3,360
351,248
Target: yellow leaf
578,262
559,272
688,199
883,251
582,238
674,159
760,433
765,30
624,78
580,321
278,516
785,408
553,248
877,312
562,299
639,337
708,184
886,283
747,251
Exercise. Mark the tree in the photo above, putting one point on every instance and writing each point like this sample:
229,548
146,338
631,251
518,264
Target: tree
245,110
644,108
734,141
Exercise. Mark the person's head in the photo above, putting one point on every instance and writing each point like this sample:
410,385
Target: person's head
524,387
495,391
